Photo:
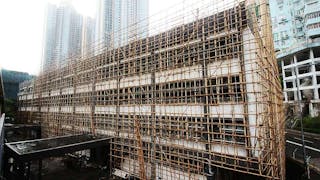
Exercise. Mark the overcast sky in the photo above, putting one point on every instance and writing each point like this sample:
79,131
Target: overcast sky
22,30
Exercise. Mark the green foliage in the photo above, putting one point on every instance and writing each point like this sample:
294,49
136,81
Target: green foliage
281,81
310,124
10,107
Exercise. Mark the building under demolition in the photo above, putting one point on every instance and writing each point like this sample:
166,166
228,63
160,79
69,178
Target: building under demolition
201,95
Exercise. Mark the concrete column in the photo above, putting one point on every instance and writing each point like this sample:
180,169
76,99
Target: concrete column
311,110
284,81
294,85
311,54
314,76
297,95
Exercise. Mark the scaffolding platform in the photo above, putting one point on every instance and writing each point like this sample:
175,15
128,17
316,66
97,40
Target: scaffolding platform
56,146
9,126
23,152
18,132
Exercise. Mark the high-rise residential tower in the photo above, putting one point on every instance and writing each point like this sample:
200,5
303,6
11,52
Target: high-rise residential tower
63,32
119,22
296,34
88,30
49,42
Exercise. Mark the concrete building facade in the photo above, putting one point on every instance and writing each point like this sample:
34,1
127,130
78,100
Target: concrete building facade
49,42
120,21
296,32
88,36
63,34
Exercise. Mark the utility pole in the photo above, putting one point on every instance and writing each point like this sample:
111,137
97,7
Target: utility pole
305,161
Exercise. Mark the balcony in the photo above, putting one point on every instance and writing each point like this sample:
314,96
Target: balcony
312,21
285,37
283,20
310,1
299,25
311,8
298,17
300,34
313,32
298,6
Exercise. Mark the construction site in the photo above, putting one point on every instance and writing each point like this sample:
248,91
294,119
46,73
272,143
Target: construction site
200,93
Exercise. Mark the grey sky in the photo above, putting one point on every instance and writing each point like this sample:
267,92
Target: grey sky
22,29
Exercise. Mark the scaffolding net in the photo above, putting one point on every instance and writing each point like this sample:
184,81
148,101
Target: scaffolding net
201,91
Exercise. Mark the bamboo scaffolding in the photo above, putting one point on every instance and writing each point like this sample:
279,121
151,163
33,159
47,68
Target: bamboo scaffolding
203,86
